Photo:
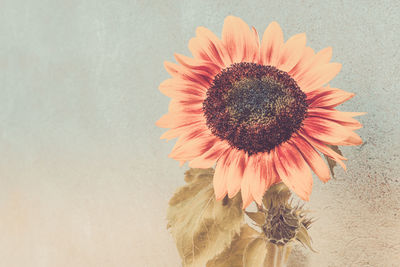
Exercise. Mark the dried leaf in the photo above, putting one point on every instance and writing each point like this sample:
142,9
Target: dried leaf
304,238
232,256
258,217
278,193
331,162
201,226
255,253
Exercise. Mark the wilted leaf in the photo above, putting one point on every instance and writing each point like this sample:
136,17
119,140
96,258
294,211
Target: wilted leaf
232,256
331,162
304,238
276,194
255,253
258,217
201,226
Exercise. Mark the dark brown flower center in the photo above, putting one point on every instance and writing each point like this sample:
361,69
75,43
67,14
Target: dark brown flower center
254,107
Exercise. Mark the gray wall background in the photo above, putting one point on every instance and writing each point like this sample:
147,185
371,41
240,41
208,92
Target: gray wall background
84,178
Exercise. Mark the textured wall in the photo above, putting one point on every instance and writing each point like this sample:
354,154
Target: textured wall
84,178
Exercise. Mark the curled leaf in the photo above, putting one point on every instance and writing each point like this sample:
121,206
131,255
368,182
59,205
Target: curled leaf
258,217
304,238
331,162
201,226
276,194
255,253
232,256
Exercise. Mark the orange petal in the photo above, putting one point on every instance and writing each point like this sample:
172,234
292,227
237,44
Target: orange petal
236,169
293,170
343,118
220,177
173,120
330,132
313,62
257,185
319,76
324,149
327,97
181,72
201,67
304,61
292,51
239,40
257,55
312,158
249,175
271,176
355,114
206,46
187,106
180,89
321,58
178,131
271,44
208,159
192,145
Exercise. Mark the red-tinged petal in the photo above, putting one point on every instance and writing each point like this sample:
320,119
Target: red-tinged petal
202,67
248,178
181,72
192,145
187,106
207,46
343,118
183,90
292,51
271,176
271,44
324,149
208,159
201,132
173,120
327,97
178,131
236,169
239,40
221,177
304,61
312,157
330,132
257,184
318,76
257,55
293,170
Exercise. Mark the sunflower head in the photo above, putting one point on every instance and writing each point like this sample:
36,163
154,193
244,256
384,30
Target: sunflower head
259,109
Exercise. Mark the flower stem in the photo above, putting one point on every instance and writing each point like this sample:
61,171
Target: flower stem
277,255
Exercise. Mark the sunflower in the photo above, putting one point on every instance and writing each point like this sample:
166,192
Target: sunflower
260,110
